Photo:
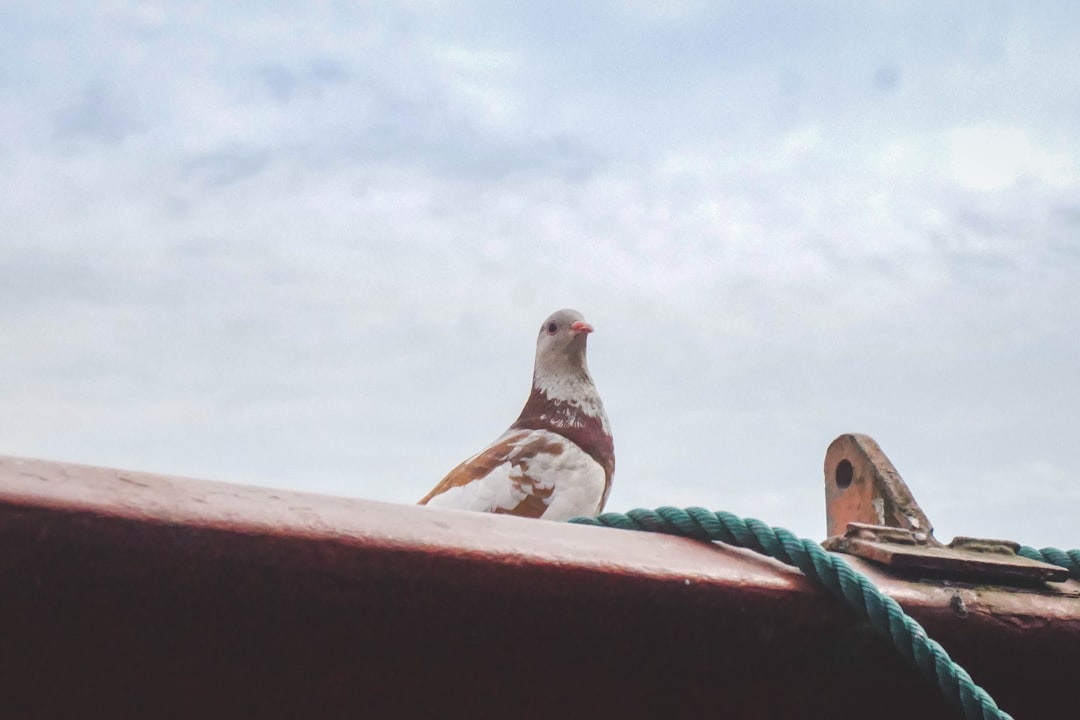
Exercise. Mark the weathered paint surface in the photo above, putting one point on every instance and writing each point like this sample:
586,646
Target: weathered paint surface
862,485
870,512
127,594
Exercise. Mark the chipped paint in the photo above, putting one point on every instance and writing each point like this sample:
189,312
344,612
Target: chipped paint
860,478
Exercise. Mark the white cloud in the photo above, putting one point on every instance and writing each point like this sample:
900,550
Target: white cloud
991,158
309,247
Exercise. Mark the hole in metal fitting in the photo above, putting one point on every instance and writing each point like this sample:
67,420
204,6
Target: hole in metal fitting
844,473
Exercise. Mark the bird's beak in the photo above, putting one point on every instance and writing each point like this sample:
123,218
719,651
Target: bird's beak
580,327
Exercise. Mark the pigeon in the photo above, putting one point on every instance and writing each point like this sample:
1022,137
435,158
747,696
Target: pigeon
556,461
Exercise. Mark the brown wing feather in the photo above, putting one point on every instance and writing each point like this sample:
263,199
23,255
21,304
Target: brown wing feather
476,467
509,449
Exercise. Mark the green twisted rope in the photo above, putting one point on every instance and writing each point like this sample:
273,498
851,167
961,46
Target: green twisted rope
883,613
1068,559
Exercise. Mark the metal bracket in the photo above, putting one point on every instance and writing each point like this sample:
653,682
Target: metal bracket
871,513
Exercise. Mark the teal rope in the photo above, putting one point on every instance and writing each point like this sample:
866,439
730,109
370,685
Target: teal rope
1068,559
883,613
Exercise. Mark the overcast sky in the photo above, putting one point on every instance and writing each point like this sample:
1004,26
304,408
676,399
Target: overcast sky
309,245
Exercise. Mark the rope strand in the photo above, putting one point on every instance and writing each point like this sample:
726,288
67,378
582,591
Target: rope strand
841,580
1068,559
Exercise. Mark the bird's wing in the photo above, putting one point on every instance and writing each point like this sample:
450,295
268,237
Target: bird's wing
531,473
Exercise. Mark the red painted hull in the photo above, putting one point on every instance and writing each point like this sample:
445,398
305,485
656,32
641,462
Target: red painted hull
135,595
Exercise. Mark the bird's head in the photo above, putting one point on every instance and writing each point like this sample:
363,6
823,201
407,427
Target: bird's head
560,345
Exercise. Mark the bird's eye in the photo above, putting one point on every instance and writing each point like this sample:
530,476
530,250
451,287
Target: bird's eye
551,328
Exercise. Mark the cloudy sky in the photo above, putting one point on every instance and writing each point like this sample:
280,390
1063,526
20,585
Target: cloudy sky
308,245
